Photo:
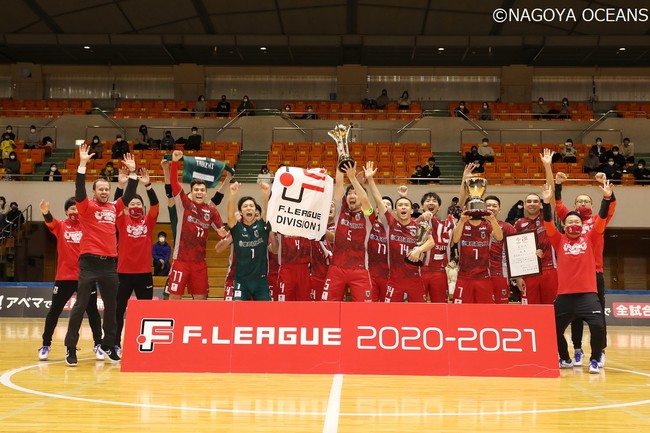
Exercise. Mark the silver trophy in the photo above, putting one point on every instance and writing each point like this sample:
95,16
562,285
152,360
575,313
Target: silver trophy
340,134
424,228
475,188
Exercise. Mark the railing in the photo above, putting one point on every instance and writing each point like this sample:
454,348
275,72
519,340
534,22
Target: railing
10,227
207,133
538,132
387,135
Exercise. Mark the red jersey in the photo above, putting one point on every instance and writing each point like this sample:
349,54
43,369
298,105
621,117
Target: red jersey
576,270
98,226
194,221
321,252
498,267
68,237
351,236
378,250
474,251
587,225
537,224
401,240
293,249
134,245
437,258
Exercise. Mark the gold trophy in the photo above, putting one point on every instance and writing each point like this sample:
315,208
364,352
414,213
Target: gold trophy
475,188
340,134
424,228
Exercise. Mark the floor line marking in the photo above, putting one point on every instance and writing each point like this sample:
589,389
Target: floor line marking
333,411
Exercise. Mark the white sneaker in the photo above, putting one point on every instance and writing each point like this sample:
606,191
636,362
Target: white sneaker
601,362
593,367
99,354
577,357
44,353
565,364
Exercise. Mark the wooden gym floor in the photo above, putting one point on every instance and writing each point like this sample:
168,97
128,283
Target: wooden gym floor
52,397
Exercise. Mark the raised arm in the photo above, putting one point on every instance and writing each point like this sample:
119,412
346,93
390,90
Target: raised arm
132,184
547,160
458,230
370,172
217,198
173,172
339,187
80,180
467,173
151,194
266,192
232,204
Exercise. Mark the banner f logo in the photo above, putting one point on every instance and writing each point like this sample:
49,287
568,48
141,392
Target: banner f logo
287,180
155,331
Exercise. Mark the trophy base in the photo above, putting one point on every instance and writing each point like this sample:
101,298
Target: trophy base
477,213
418,263
344,161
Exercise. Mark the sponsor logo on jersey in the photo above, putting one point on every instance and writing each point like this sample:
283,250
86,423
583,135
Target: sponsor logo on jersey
577,248
72,237
136,231
105,216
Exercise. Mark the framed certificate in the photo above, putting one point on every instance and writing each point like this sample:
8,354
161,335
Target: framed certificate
521,256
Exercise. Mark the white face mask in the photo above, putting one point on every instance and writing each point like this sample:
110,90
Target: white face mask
568,144
615,153
32,131
599,143
52,168
193,132
161,239
95,141
640,167
119,139
485,106
610,162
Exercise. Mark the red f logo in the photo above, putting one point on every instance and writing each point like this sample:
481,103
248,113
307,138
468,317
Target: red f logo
155,331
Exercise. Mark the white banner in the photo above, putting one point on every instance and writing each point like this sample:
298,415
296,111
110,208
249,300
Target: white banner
300,202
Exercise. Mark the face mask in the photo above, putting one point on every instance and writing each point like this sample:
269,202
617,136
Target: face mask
615,153
640,167
193,132
245,99
568,144
484,144
462,106
95,141
8,131
136,212
32,131
74,217
584,212
599,143
540,102
52,168
573,230
119,139
310,110
610,162
161,239
520,207
485,106
12,157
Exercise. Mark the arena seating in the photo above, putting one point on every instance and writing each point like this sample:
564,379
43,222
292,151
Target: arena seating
521,111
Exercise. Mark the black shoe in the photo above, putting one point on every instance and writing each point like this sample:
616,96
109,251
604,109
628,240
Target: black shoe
110,354
71,356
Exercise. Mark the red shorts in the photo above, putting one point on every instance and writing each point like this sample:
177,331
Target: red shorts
293,283
339,278
501,289
413,287
436,285
470,291
229,288
193,275
316,284
540,289
379,288
273,284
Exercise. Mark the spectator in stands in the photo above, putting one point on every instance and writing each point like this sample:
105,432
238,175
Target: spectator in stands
194,140
461,110
516,212
640,173
416,210
142,140
599,150
47,144
286,111
539,109
382,100
245,106
265,175
486,151
33,140
109,172
310,113
167,142
569,152
10,130
474,157
7,146
485,113
119,148
52,175
13,219
454,209
619,160
404,102
627,150
12,166
416,176
612,171
96,148
223,107
3,213
161,252
200,108
431,171
565,111
591,163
